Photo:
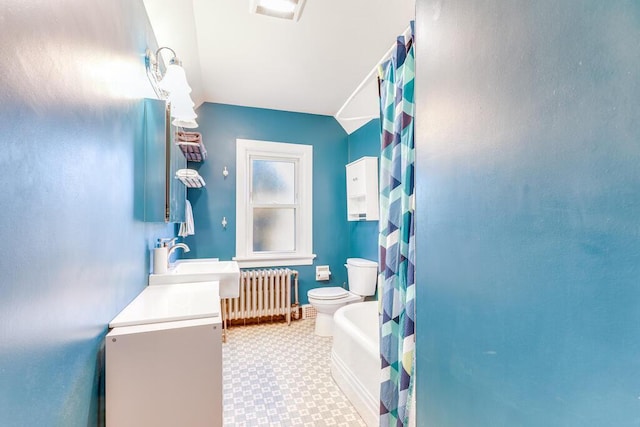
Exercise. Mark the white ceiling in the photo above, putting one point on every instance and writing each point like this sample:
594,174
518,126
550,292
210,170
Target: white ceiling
310,66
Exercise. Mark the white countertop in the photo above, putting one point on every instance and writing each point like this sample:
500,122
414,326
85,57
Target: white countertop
168,303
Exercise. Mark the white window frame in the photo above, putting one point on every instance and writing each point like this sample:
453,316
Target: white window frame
302,155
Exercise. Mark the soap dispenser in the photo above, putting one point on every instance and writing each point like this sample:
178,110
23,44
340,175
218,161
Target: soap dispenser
160,258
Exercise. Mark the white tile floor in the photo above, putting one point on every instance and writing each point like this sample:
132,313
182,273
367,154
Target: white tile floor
279,375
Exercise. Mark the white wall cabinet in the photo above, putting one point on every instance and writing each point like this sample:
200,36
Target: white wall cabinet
362,189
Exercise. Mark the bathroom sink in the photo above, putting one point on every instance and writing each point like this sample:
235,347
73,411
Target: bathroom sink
202,270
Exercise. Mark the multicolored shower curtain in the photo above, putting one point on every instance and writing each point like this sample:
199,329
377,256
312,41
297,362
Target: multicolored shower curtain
396,239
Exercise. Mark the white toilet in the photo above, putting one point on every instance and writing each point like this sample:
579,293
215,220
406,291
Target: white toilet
362,275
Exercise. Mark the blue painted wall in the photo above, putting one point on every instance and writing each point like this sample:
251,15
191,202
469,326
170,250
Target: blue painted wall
220,126
528,213
73,253
363,235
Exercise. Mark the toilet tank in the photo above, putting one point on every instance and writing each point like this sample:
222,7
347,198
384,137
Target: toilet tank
363,274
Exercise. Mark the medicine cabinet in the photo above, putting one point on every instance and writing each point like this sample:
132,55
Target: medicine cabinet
362,189
164,196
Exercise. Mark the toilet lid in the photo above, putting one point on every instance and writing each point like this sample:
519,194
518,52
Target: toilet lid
333,292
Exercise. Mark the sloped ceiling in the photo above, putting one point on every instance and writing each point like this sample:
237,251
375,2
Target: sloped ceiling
310,66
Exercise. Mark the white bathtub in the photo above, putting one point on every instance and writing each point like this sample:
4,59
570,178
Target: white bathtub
355,357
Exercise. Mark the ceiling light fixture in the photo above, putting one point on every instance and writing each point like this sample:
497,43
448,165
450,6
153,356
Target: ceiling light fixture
285,9
173,87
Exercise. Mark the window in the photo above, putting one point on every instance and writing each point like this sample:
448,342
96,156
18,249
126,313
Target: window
274,203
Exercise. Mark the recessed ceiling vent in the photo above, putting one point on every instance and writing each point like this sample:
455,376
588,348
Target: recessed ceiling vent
285,9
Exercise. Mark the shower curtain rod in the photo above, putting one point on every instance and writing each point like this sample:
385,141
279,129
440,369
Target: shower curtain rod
405,33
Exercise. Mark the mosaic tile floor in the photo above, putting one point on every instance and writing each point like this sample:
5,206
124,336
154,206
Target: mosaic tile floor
279,375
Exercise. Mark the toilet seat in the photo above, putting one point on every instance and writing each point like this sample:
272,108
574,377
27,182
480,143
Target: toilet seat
328,294
326,301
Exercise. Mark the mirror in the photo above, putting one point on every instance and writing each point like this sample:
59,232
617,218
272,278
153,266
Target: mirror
164,196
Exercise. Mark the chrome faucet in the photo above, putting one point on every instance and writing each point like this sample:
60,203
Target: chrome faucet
173,248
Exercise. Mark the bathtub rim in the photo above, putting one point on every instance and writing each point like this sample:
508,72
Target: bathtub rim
365,403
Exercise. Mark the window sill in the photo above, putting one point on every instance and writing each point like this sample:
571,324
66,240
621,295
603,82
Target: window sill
274,261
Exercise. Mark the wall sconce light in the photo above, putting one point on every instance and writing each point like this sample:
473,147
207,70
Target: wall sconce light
173,87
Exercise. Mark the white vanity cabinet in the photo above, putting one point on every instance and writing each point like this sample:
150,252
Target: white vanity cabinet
164,359
362,189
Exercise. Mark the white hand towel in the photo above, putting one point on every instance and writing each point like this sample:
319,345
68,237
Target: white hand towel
187,228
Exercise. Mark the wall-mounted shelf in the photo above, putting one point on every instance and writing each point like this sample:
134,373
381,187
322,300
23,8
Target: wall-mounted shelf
191,145
191,178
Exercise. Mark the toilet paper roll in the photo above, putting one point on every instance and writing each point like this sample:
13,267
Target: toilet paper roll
323,275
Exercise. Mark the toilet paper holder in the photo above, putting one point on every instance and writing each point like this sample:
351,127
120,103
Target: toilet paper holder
322,273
